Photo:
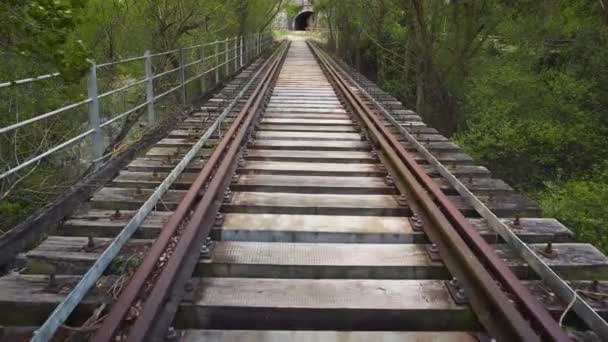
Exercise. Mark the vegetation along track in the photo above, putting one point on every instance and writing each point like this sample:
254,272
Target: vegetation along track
325,222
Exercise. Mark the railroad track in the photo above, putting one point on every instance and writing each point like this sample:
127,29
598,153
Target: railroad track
312,217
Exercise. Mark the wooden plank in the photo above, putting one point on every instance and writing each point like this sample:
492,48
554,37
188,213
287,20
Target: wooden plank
314,204
313,169
311,145
309,336
365,229
150,180
310,128
311,156
312,184
298,135
132,199
106,223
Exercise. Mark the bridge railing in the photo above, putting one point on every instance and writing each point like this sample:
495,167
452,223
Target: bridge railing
208,63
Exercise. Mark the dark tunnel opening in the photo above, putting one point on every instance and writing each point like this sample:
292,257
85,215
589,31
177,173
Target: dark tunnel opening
302,21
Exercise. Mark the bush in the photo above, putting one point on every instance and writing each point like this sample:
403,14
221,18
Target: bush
581,205
529,128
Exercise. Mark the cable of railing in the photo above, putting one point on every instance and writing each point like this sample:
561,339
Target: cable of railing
241,51
158,54
28,80
166,73
120,116
125,87
122,61
45,154
161,95
43,116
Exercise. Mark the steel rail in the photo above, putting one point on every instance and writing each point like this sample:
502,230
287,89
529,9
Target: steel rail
179,268
456,233
115,317
561,288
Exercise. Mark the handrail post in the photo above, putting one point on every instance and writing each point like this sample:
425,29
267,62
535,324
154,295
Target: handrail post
241,51
94,119
227,47
236,54
150,89
202,69
217,62
182,74
257,45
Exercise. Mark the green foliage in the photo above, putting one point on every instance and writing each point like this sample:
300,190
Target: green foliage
39,37
531,127
292,10
581,205
39,30
528,80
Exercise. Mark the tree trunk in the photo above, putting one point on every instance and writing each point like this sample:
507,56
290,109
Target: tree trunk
433,100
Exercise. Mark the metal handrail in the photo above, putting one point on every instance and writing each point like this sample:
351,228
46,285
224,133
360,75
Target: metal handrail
232,54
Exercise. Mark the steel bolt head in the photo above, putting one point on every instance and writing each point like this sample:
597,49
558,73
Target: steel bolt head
171,334
454,282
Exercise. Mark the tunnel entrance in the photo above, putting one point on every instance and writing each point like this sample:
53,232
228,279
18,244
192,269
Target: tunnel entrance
302,21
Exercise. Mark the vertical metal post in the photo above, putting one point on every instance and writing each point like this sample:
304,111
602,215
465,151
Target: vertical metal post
182,74
150,89
241,51
94,119
202,69
236,54
226,47
217,62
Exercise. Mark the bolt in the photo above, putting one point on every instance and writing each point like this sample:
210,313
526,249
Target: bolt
171,334
516,221
116,214
52,281
205,251
454,282
235,178
470,179
389,180
91,243
549,248
189,287
460,294
434,248
227,196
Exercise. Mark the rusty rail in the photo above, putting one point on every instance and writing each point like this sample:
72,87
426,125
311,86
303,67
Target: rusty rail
195,216
501,302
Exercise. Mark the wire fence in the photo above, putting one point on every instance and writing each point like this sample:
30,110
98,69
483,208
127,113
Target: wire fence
106,100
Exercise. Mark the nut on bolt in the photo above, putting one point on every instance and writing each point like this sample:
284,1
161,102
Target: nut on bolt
171,334
389,180
227,196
